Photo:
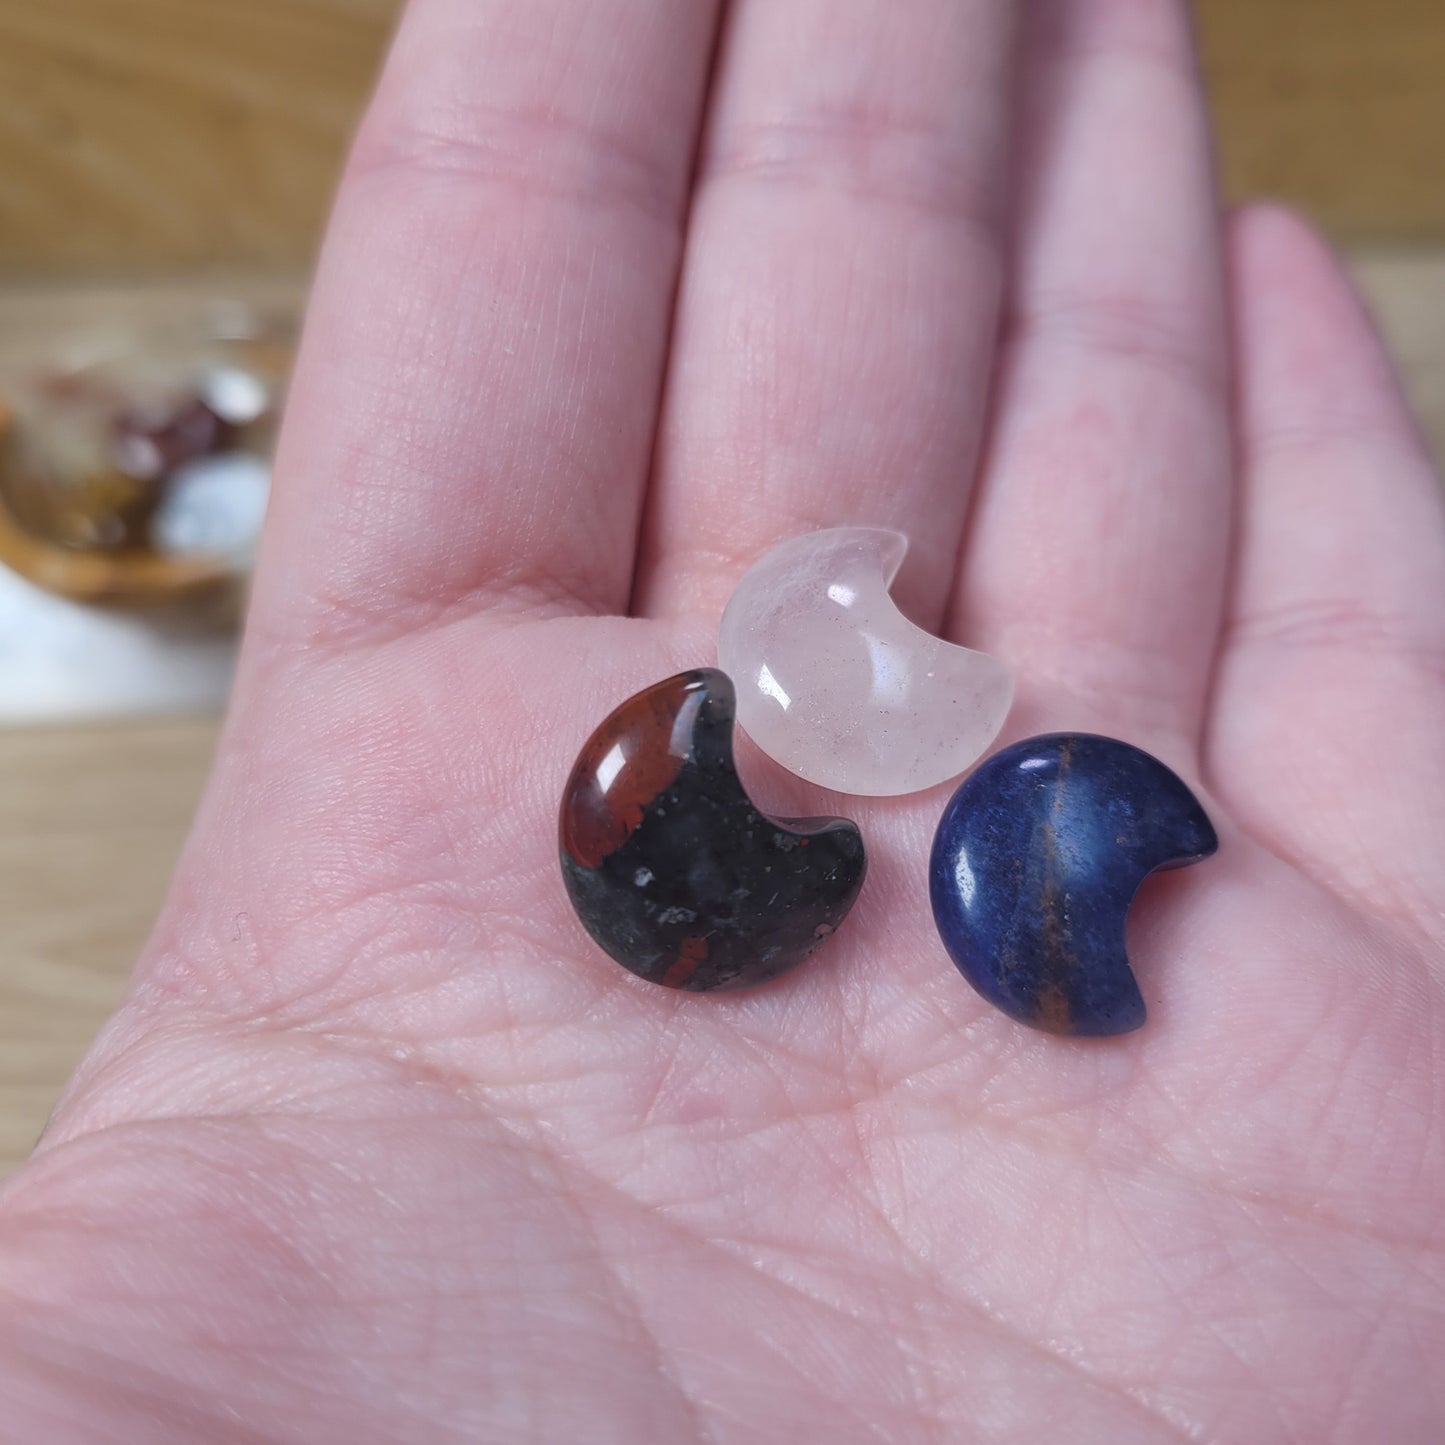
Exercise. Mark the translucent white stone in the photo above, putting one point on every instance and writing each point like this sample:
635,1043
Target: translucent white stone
836,684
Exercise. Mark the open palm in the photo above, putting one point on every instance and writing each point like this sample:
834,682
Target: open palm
382,1149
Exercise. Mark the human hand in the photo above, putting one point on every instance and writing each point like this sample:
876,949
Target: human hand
380,1148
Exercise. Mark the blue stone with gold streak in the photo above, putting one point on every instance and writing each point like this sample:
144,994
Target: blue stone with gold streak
1036,860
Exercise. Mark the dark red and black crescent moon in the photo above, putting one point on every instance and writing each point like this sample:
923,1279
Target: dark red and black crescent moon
671,868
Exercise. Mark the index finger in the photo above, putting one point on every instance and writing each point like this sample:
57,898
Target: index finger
474,402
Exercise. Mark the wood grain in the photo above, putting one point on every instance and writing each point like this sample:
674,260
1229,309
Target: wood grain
1337,106
154,135
150,136
1406,291
91,824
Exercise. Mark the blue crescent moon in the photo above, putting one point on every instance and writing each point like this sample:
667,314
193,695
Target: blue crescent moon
1036,860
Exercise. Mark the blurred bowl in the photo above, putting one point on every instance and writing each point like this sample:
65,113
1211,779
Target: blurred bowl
135,457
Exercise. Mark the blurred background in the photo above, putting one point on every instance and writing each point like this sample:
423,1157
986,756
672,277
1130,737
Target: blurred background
165,169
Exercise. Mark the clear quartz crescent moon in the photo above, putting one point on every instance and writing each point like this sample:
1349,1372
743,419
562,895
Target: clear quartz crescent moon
838,686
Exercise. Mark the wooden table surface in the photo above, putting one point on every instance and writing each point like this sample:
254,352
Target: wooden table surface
159,135
91,818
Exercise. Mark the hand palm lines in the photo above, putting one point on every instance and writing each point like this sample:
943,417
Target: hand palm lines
438,1170
827,1142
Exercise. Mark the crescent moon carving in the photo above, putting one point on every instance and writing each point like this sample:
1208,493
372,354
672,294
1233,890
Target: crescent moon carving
836,684
1036,860
671,868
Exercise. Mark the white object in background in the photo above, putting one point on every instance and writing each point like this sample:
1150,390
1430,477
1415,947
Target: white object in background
214,506
64,662
835,683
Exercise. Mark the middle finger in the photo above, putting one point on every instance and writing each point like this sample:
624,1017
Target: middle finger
835,326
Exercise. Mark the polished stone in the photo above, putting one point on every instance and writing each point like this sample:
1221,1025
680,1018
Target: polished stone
835,683
669,865
1036,860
